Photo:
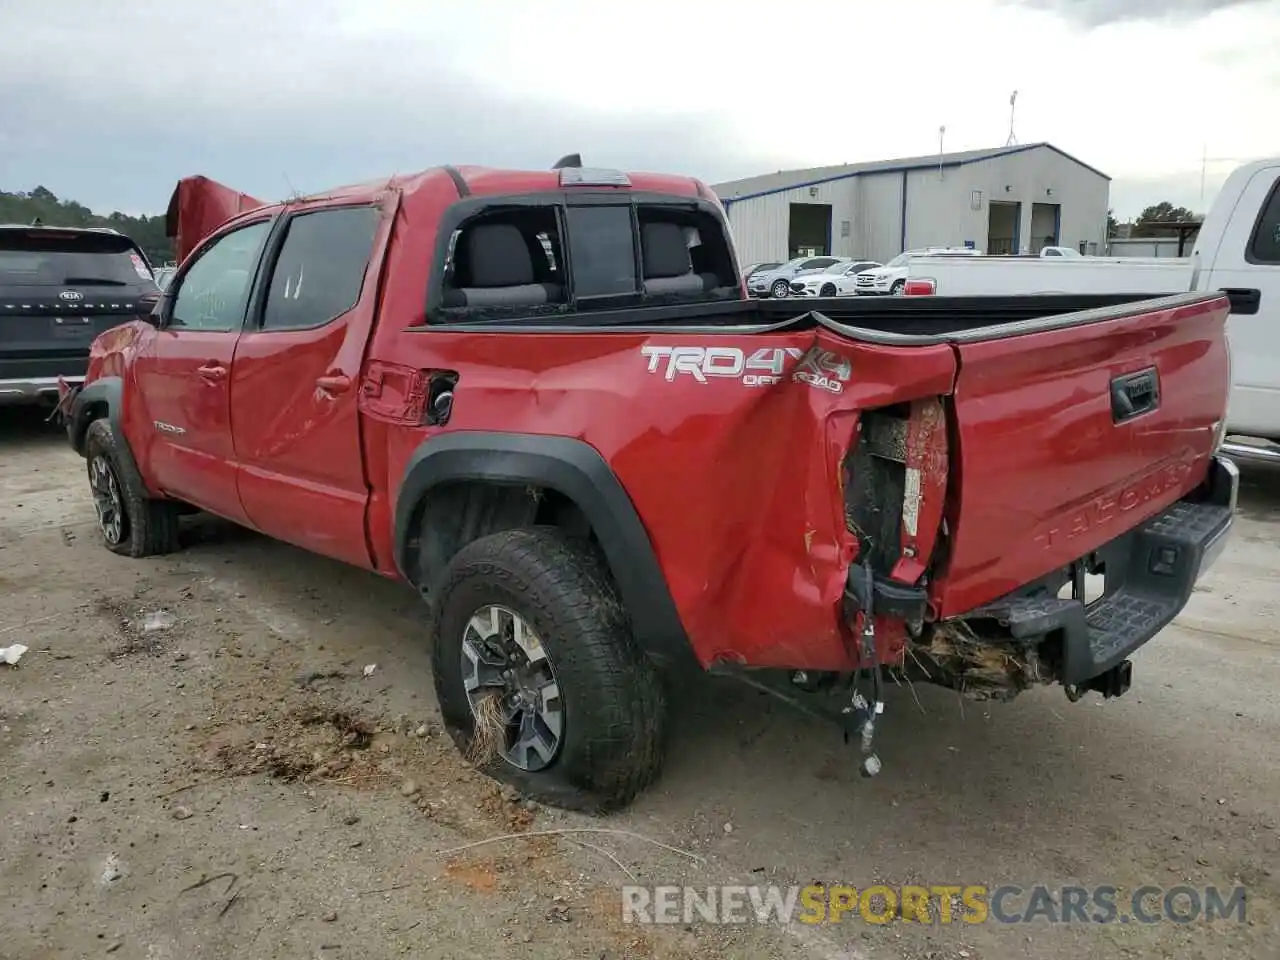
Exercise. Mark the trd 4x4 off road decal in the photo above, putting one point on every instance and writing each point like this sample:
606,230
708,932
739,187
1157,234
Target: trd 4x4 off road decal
764,367
824,370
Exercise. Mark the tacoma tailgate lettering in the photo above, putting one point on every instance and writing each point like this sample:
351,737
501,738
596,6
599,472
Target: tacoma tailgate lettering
1103,511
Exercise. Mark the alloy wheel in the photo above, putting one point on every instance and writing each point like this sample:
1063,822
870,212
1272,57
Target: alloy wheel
503,657
107,501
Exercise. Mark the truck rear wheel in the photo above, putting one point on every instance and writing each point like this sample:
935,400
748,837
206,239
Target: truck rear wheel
129,522
539,680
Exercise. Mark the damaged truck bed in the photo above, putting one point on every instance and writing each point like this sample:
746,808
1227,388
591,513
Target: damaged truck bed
545,401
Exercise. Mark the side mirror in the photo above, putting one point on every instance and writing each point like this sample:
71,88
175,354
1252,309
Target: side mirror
159,315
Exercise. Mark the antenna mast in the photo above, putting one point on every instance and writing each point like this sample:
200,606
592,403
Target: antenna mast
1013,106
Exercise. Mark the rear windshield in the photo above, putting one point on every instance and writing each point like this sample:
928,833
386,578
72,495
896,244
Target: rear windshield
35,258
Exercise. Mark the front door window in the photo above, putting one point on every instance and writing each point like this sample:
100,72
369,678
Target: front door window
214,291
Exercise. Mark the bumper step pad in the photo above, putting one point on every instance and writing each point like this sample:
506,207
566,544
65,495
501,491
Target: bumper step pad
1150,573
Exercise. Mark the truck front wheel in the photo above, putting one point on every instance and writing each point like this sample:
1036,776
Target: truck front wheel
539,680
129,522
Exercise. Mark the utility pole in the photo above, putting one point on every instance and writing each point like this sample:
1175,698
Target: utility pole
1204,166
1013,105
942,133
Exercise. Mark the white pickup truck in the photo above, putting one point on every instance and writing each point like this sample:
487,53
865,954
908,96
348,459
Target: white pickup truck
1238,251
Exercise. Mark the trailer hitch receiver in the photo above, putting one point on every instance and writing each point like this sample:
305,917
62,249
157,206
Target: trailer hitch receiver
1110,683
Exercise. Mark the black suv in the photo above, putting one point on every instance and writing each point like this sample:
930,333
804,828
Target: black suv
59,288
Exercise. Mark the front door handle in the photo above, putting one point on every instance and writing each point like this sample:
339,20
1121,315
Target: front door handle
212,371
334,383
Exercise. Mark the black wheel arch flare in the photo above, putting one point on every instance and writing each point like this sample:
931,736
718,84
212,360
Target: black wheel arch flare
103,398
575,470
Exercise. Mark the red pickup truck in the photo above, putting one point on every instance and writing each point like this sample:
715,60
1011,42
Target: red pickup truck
544,400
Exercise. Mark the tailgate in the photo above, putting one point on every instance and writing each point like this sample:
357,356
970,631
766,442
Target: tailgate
1073,430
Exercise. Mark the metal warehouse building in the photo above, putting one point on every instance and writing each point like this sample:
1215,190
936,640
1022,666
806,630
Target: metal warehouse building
1014,199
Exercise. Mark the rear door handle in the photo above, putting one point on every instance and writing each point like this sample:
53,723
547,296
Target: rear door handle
1244,301
334,383
212,371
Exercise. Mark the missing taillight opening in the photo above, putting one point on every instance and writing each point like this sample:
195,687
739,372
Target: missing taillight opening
895,487
875,482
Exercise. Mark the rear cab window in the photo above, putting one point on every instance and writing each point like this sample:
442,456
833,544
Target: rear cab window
578,257
505,260
604,254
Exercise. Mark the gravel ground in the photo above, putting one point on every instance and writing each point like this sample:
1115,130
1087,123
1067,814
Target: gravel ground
195,765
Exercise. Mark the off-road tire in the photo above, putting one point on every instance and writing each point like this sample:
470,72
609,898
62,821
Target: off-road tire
150,527
613,737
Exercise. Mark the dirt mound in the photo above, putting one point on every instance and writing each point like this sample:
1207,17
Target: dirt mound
311,743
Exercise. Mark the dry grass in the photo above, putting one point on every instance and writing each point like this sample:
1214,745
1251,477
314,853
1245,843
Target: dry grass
979,667
488,739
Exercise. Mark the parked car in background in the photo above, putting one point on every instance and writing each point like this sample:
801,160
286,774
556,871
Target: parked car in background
892,277
165,274
752,269
1060,252
777,282
836,280
59,288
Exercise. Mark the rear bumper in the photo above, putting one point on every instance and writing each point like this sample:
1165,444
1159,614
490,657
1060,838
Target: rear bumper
1252,453
1149,576
32,389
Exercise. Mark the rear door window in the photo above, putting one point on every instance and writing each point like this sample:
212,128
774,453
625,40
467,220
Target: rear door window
602,248
320,270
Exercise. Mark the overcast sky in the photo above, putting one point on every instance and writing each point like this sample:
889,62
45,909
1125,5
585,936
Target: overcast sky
110,103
